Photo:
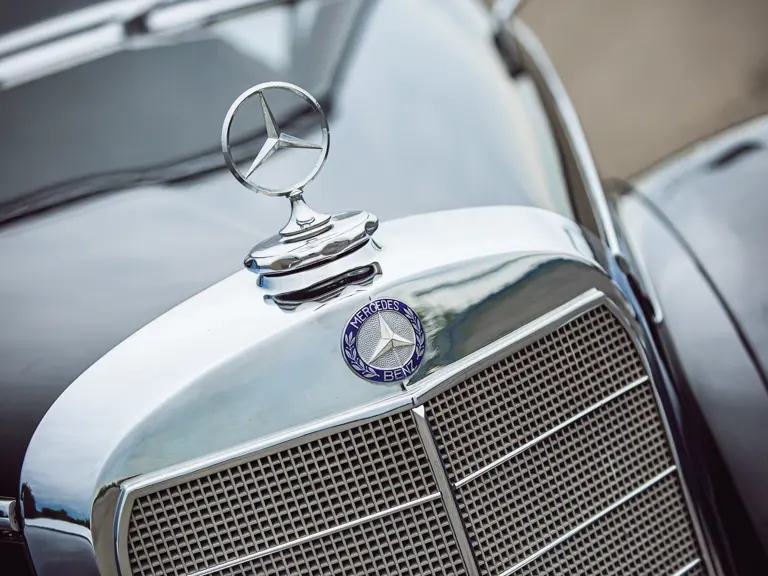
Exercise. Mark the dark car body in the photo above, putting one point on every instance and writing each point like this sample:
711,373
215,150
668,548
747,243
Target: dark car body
698,222
115,208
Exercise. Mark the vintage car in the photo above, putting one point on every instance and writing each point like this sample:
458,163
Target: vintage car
499,363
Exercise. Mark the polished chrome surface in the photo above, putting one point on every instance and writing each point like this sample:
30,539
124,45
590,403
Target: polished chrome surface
276,140
573,133
503,10
446,491
144,427
309,238
586,184
125,418
414,541
9,518
589,191
591,520
341,234
689,567
587,359
231,348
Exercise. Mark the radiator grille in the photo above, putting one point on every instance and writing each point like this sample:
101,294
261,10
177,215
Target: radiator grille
415,542
531,391
650,534
555,457
530,500
278,498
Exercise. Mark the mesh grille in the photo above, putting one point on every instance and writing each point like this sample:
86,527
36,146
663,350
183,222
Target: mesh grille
531,391
278,498
510,512
650,534
568,475
572,475
416,541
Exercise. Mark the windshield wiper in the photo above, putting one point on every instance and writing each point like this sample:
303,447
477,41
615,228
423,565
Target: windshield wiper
95,32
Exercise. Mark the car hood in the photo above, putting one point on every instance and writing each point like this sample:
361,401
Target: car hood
425,118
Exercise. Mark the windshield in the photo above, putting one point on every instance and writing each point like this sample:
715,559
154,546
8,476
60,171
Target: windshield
15,14
152,110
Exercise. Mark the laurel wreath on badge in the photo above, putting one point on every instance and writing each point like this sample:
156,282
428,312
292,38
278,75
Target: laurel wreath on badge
418,330
350,351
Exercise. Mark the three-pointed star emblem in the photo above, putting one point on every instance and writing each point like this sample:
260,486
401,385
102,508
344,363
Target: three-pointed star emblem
275,139
388,340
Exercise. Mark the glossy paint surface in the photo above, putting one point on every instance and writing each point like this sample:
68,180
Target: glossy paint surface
713,197
80,279
696,222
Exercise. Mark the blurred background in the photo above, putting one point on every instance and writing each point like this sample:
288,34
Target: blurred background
655,75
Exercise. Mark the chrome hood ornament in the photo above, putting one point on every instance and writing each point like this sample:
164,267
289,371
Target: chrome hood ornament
310,237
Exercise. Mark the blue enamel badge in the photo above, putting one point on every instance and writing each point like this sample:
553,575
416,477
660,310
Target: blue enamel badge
384,341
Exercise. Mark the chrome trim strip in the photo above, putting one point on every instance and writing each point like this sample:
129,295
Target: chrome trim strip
316,535
550,432
578,146
265,446
573,131
688,567
589,521
8,516
444,485
504,10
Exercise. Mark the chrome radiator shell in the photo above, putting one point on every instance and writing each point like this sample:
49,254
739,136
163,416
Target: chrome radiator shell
595,467
194,406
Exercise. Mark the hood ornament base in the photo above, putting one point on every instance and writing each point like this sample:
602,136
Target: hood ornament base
304,221
310,238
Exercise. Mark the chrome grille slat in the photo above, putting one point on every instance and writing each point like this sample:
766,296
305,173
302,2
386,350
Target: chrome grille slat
690,568
649,534
278,498
410,542
587,523
697,570
531,391
550,432
317,535
563,480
